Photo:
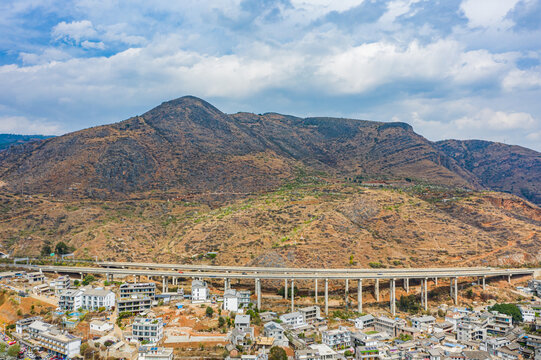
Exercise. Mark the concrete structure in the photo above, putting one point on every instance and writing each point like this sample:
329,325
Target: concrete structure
294,319
231,300
100,327
35,277
144,329
276,331
364,321
200,291
324,352
155,353
23,324
423,322
310,313
94,299
244,297
336,338
60,284
134,304
385,324
142,289
70,300
55,341
470,332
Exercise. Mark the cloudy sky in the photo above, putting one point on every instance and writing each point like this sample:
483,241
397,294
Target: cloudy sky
451,68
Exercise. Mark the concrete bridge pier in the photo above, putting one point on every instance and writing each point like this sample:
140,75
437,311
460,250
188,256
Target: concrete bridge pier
426,293
326,296
435,281
346,294
285,289
360,295
484,282
392,287
455,291
407,285
82,276
164,284
509,278
292,295
315,292
376,290
258,292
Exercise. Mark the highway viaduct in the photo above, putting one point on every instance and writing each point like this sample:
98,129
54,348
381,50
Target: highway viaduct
171,272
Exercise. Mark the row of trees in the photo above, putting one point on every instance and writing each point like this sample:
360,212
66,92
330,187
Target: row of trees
61,248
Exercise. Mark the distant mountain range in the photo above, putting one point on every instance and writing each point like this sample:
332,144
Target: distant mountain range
6,140
187,146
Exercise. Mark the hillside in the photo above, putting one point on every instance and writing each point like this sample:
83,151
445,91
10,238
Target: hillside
497,166
6,140
303,224
187,146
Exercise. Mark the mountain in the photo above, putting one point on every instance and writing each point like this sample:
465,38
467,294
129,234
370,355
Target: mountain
499,167
6,140
188,146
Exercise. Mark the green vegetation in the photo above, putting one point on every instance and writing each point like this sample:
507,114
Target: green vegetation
14,350
508,309
405,337
282,291
209,311
277,353
376,265
409,304
88,279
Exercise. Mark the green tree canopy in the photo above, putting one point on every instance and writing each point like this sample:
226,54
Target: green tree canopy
277,353
61,248
508,309
14,350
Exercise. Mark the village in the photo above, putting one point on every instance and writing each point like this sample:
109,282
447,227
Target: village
96,318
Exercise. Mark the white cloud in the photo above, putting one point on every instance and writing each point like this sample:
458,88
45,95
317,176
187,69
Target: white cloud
46,56
496,120
25,126
488,13
93,45
75,30
521,80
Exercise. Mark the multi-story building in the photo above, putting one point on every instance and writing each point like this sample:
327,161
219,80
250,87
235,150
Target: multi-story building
231,300
324,352
470,332
423,322
150,330
310,313
367,353
70,300
23,324
337,338
294,319
141,289
528,314
200,291
362,322
244,298
60,284
93,299
134,304
491,345
35,277
55,341
499,324
155,353
385,324
274,330
100,327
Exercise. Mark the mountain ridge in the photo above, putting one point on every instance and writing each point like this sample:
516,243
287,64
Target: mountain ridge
187,145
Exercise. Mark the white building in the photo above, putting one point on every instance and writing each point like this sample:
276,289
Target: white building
231,300
141,289
310,313
100,327
23,324
362,322
55,341
150,330
470,332
294,319
423,322
337,338
325,352
155,353
274,330
35,277
60,284
70,300
528,314
200,291
93,299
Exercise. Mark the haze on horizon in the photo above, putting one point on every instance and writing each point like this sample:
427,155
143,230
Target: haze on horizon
452,69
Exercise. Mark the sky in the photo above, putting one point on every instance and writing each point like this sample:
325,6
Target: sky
461,69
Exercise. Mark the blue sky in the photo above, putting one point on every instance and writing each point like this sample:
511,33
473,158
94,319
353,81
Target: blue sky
451,68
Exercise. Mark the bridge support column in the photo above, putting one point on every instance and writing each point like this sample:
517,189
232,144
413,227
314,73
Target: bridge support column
407,285
326,296
509,278
392,285
426,294
285,289
292,295
315,292
484,282
436,281
346,294
455,292
82,276
164,284
376,290
258,292
360,295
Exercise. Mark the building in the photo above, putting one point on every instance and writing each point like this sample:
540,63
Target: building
134,304
492,344
231,300
35,277
470,332
385,324
244,298
307,354
366,353
362,322
141,289
336,338
274,330
533,341
70,300
94,299
243,333
100,327
55,341
200,291
60,284
23,324
499,324
310,313
242,322
294,319
148,330
155,353
423,322
324,352
528,314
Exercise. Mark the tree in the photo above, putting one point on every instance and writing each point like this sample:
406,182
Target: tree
221,321
209,311
61,248
14,350
2,347
46,249
508,309
277,353
88,279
